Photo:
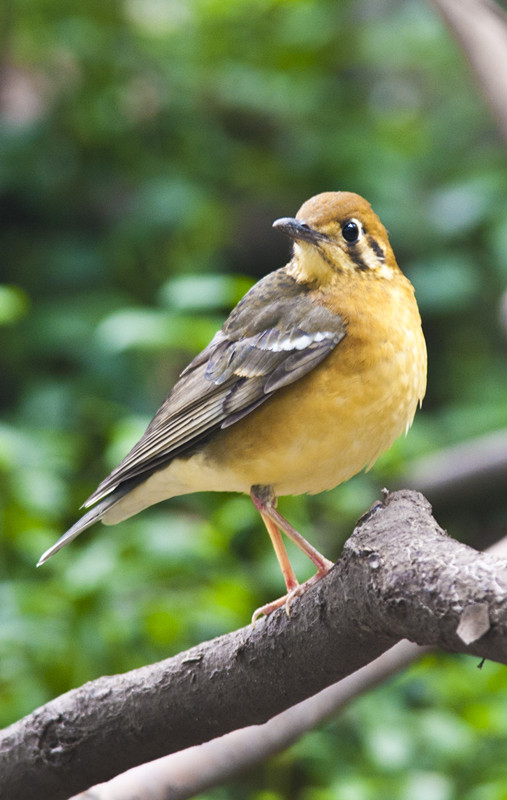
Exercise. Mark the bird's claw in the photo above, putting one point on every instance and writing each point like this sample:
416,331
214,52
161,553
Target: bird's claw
287,599
275,604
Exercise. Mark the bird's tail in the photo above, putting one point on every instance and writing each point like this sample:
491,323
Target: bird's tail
82,524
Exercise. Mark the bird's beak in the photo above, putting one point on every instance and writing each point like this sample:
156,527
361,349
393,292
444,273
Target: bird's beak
299,231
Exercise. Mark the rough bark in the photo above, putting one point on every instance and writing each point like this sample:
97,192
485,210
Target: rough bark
400,576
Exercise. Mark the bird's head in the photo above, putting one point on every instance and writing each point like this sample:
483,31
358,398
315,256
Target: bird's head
336,233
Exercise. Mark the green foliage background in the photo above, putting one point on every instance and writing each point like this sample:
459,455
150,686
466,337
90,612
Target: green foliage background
145,149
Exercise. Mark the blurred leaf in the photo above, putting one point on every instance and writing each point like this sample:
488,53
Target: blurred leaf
198,292
14,304
148,329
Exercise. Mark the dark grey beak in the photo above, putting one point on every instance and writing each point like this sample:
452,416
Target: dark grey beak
299,231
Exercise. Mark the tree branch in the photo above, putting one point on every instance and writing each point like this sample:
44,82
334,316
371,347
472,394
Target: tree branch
481,28
189,772
463,472
400,576
192,771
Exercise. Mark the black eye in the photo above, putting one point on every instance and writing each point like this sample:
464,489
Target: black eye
350,232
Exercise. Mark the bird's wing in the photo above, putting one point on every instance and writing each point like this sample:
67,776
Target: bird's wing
276,334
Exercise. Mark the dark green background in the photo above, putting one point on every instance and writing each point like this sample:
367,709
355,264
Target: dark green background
145,149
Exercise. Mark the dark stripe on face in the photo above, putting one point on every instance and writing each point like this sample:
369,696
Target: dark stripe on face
357,259
376,248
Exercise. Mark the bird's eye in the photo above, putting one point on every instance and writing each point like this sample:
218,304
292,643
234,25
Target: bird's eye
351,231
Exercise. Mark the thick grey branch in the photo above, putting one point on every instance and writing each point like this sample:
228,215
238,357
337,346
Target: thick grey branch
400,577
190,772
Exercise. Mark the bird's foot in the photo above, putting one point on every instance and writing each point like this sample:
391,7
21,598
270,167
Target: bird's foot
273,606
297,591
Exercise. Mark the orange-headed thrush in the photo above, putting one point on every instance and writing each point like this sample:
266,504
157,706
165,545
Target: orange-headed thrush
318,369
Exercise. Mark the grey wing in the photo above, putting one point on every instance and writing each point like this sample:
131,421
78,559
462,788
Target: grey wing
268,342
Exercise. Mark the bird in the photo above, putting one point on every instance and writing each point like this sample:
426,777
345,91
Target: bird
317,370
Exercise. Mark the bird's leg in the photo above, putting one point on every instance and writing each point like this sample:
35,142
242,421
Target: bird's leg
289,576
264,500
281,553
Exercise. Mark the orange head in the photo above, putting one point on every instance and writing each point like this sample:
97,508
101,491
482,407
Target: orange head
336,232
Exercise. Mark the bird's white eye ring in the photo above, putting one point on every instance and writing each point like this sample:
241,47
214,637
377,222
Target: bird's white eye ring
351,231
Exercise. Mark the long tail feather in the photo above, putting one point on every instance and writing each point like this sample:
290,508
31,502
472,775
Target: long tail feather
92,516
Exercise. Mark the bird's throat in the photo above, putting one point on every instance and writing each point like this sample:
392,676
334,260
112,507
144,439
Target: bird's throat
309,265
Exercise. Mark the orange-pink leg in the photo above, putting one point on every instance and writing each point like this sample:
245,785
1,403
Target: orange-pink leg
281,553
265,502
